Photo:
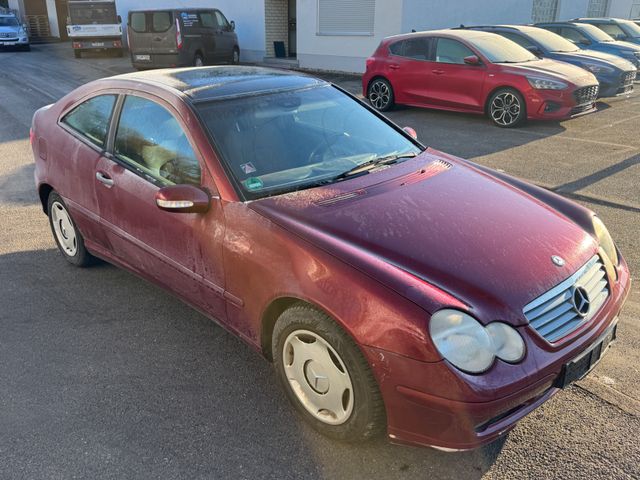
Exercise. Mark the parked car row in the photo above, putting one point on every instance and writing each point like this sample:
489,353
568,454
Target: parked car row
509,72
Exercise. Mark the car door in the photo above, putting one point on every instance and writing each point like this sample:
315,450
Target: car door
209,32
87,125
182,251
164,46
408,68
453,83
226,37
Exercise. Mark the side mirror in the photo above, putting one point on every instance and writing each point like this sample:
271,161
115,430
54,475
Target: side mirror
119,19
621,36
472,60
411,132
233,25
183,199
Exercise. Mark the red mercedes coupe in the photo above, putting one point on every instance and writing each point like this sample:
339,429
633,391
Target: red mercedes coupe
395,288
476,72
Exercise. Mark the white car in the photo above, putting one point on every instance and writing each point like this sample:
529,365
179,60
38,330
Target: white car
13,33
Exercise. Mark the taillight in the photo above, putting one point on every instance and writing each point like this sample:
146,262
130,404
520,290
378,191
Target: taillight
32,136
178,34
370,61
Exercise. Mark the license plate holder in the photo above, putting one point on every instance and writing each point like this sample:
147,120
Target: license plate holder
580,366
97,44
144,58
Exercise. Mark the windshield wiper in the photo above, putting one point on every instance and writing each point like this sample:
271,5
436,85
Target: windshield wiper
366,167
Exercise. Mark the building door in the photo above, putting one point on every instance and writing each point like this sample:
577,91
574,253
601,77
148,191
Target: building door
292,28
544,11
597,8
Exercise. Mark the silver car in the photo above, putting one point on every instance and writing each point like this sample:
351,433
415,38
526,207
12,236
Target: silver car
13,33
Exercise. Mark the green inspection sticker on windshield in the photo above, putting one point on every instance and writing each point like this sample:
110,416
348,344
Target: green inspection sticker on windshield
253,183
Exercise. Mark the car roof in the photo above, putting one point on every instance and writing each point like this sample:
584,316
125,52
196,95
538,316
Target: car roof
222,82
453,33
171,9
519,28
600,19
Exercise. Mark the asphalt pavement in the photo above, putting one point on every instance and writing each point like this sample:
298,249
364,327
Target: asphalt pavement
103,375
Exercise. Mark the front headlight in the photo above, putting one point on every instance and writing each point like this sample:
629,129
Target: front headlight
595,68
605,240
469,346
546,83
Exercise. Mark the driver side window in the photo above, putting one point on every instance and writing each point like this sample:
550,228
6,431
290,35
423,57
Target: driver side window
152,141
451,51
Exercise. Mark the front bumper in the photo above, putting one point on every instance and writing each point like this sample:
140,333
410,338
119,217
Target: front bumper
617,85
561,104
14,42
434,404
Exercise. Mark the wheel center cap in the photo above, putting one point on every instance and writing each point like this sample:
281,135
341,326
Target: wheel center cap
316,378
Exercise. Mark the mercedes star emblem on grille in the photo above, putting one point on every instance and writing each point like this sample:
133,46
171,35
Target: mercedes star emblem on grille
581,302
559,261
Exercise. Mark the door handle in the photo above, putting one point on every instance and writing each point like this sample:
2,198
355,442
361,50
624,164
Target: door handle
438,72
104,179
393,66
157,39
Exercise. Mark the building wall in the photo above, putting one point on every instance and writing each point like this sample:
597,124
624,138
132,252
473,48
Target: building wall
249,16
620,8
342,52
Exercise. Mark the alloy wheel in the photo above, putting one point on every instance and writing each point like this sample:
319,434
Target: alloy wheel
236,57
318,377
64,229
379,94
505,109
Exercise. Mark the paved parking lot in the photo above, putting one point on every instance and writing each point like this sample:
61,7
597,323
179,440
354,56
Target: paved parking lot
103,375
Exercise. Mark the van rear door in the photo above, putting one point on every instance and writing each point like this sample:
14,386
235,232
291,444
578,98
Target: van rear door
164,42
139,36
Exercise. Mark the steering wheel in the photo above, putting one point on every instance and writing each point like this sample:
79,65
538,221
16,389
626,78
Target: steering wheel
320,150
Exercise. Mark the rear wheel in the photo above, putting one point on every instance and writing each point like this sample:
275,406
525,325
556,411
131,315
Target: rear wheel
67,236
507,108
325,375
380,94
198,61
77,53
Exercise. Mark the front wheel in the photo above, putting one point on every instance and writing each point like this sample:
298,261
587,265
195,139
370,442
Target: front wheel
68,238
77,53
507,108
235,56
380,94
198,61
325,375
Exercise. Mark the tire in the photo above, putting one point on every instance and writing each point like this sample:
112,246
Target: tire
26,48
506,108
235,56
313,355
77,53
380,94
119,53
66,234
198,61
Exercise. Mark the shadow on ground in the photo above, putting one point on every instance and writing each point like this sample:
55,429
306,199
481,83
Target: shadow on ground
103,374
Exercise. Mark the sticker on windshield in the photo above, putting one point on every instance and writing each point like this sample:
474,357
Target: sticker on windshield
253,183
248,168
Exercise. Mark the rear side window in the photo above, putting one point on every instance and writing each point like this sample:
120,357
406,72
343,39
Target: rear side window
151,140
451,51
190,20
91,118
138,22
161,21
417,48
207,20
396,48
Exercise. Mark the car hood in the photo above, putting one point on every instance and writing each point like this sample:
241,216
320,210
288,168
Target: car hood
437,217
555,69
624,45
592,56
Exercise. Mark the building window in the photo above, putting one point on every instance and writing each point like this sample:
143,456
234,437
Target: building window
598,8
340,17
544,11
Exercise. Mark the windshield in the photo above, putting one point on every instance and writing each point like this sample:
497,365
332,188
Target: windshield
498,49
8,22
99,13
287,141
596,33
551,41
630,28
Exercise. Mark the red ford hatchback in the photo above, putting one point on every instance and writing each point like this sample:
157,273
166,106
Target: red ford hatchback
395,288
476,72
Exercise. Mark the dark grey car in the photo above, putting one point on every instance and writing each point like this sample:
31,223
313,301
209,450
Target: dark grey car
180,38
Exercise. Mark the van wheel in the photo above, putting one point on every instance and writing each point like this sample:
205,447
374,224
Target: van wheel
77,53
198,61
235,56
119,52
